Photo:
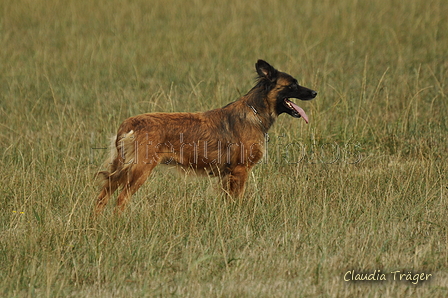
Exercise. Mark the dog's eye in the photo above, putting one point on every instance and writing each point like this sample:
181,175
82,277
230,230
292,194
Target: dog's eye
293,86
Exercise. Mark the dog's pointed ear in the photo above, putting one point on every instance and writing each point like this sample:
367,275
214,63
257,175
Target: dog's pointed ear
265,70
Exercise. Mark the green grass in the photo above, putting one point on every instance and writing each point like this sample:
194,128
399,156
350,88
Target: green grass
362,187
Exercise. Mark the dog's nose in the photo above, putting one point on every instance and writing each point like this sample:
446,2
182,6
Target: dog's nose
313,94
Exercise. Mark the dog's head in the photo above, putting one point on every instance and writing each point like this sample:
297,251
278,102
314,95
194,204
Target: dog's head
281,87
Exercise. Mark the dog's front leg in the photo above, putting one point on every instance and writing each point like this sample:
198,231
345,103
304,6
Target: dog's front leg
234,183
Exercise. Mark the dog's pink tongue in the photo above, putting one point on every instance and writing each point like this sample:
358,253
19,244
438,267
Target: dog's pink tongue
300,111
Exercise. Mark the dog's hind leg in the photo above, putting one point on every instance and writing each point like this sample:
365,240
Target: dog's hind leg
108,189
138,175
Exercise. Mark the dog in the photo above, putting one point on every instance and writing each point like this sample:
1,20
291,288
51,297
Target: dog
226,142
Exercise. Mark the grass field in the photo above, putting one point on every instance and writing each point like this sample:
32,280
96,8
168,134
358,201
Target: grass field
362,187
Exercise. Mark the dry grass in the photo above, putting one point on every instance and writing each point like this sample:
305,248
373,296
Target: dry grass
362,187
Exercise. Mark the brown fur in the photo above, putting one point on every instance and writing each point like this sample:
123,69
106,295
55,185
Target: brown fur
225,142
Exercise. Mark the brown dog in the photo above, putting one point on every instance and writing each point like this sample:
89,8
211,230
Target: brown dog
225,142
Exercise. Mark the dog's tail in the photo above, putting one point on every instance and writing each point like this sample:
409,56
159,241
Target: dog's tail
120,161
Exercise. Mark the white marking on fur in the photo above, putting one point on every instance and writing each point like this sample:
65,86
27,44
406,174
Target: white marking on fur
127,149
113,153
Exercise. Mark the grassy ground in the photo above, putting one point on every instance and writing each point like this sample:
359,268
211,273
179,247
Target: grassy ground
362,187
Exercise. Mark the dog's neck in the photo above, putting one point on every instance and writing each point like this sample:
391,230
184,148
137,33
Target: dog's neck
253,109
264,120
